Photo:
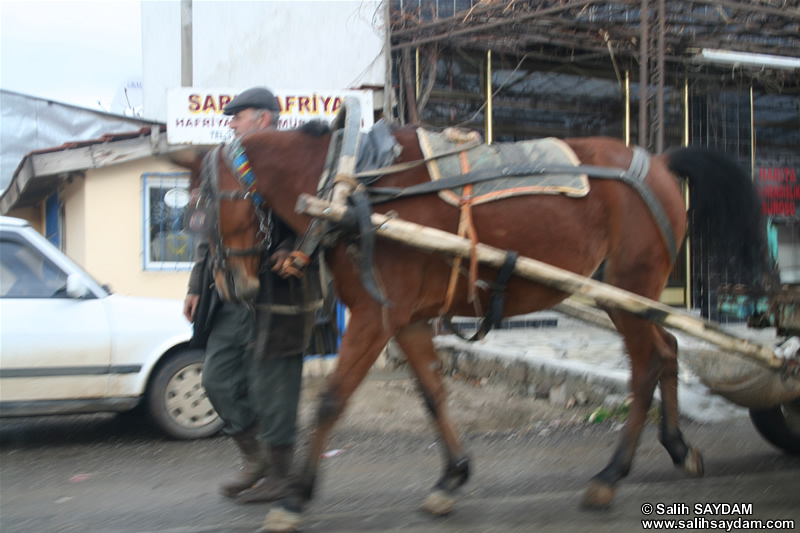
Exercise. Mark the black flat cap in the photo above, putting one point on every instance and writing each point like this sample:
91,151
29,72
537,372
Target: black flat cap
257,98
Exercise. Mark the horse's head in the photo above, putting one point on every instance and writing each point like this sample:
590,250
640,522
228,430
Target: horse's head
241,230
232,219
235,191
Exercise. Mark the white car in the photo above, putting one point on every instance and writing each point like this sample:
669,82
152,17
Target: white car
68,346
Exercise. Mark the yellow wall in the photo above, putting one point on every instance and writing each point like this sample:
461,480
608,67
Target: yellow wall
103,227
73,234
33,214
114,231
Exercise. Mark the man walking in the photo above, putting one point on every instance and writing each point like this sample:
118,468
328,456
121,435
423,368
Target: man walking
254,360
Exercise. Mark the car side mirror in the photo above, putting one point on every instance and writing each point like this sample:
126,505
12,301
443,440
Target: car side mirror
76,286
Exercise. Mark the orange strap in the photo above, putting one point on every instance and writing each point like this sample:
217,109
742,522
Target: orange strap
451,286
465,227
473,258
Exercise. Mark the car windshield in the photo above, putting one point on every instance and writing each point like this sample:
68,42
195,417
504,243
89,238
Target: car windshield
26,273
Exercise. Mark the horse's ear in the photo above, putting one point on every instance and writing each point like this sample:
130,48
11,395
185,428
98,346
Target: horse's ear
190,158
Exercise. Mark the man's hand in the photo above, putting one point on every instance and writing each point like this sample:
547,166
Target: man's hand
190,306
277,260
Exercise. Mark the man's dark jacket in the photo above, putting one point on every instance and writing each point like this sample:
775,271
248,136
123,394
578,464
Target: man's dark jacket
284,308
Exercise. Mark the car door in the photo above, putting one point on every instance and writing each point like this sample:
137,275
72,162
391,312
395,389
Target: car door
53,348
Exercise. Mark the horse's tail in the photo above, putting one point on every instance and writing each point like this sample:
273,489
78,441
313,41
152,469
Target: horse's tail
725,209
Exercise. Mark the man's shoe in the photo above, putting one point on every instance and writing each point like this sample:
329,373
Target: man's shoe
254,464
267,489
273,486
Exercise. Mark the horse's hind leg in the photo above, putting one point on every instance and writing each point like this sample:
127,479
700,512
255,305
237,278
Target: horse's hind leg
642,342
417,344
682,454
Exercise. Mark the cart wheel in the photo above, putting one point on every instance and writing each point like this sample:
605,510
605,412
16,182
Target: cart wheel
780,425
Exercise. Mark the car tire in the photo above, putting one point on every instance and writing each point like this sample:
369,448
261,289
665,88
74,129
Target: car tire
176,400
780,425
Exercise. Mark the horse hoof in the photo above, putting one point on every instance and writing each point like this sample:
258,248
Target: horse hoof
279,520
693,463
598,495
439,503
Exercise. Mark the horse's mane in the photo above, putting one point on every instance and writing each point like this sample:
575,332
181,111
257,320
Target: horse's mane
318,128
314,128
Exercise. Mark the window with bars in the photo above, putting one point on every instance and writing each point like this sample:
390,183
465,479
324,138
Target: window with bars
168,243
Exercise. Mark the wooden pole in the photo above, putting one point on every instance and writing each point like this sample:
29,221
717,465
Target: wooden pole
644,76
604,295
626,126
488,115
388,97
661,75
187,63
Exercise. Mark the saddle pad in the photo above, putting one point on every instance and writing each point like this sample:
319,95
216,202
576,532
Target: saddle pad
547,152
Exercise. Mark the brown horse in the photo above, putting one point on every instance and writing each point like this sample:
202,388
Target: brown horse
610,223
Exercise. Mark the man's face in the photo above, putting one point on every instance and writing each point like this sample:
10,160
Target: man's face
250,120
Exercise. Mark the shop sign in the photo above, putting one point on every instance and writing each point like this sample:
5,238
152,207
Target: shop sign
194,115
779,191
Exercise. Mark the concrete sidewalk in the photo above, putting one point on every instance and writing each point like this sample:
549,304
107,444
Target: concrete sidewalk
550,355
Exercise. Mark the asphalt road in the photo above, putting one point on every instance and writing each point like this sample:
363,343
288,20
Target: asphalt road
114,474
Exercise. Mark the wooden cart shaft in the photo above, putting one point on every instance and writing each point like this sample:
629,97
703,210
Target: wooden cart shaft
603,294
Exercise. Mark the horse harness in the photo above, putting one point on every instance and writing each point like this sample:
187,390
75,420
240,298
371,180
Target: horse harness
211,197
361,196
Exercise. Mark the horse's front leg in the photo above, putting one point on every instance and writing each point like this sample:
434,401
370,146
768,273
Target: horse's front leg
361,344
416,340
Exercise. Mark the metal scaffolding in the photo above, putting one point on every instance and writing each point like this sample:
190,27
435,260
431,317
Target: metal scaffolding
650,42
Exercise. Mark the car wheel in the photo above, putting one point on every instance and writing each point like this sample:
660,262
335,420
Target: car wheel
780,425
177,401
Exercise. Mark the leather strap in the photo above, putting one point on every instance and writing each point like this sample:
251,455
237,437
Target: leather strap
494,315
465,227
284,309
402,167
387,194
635,176
366,236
